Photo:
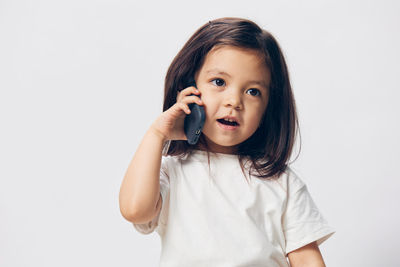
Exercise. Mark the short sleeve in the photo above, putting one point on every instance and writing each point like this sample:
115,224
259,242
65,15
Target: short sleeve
302,221
155,224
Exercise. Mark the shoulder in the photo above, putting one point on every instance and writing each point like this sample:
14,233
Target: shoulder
169,162
290,181
294,180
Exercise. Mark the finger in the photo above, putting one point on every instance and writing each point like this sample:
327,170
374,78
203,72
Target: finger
192,99
188,91
180,106
184,107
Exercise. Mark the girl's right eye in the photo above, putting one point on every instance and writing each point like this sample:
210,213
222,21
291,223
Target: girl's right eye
218,80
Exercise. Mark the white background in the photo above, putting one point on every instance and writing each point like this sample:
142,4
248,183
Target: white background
81,81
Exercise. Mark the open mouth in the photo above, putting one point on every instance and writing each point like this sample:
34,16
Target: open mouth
233,123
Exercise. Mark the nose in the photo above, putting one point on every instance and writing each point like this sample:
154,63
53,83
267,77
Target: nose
233,99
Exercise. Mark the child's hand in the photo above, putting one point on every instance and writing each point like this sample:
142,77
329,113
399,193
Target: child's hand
169,125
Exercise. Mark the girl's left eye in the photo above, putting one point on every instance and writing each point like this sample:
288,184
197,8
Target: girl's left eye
258,91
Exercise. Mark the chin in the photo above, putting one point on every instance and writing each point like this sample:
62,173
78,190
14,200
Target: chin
222,143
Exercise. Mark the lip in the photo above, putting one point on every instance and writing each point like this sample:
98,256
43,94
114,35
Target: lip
227,127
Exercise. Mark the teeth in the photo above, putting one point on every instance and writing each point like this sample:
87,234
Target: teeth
229,120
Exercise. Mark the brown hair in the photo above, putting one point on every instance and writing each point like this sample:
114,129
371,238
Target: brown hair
270,147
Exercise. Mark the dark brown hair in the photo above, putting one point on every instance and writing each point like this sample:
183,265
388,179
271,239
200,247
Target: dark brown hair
270,147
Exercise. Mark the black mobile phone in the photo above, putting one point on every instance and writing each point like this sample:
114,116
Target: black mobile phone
194,121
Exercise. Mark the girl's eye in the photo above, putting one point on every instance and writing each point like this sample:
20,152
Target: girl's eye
218,80
256,90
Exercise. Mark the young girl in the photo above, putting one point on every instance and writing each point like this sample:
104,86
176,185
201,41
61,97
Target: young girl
231,199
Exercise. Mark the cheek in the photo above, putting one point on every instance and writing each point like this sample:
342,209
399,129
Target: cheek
255,115
209,104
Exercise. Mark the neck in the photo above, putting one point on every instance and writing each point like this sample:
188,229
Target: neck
216,148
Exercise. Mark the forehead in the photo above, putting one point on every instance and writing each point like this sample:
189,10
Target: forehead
242,63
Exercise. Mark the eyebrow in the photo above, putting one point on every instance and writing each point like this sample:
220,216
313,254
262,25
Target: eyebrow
217,71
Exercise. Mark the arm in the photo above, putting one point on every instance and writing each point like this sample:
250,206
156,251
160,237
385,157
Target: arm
139,197
306,256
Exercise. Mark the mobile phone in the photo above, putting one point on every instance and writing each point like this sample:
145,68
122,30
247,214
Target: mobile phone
194,122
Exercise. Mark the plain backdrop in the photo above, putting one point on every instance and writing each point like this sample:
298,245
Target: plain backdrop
81,82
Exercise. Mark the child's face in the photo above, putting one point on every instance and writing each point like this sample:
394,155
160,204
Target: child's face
232,94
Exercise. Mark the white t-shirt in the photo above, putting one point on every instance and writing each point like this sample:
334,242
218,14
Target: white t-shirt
221,220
